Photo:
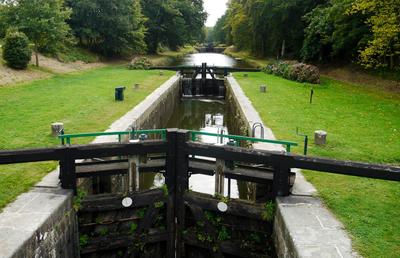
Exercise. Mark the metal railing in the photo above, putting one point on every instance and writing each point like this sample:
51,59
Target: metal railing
288,144
67,138
178,149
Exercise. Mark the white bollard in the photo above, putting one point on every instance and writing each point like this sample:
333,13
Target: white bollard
320,137
56,129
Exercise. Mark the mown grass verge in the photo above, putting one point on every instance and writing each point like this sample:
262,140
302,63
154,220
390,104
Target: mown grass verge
363,124
84,102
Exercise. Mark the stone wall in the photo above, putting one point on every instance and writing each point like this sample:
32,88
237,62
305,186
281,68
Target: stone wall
153,112
40,223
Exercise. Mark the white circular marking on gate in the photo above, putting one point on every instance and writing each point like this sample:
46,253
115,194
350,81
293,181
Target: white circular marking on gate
127,202
222,207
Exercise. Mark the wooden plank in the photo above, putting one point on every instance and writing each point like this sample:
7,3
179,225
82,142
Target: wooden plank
235,207
91,162
198,214
280,185
276,159
148,219
110,202
119,149
236,154
170,181
246,225
102,169
68,172
243,173
109,222
156,165
182,185
347,168
112,242
31,155
226,247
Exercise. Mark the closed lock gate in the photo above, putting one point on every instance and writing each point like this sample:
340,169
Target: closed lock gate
118,219
169,221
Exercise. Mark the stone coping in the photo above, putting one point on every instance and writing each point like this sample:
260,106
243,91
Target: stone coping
303,226
30,219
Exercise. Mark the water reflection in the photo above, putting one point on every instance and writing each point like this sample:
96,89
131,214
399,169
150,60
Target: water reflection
212,59
204,115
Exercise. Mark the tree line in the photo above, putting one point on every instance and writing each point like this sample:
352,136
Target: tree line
365,31
113,28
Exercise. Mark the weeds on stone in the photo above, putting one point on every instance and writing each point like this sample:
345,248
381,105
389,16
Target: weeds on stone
268,213
77,202
159,204
83,240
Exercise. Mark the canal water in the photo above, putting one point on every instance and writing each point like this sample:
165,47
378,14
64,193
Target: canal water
203,115
212,59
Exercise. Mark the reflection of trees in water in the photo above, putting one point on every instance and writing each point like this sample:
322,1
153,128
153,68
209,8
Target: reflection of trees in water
190,114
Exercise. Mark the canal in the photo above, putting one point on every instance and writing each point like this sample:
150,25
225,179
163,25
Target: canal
203,115
212,59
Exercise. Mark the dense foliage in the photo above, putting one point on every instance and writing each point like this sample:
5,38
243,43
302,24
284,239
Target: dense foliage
113,28
43,21
366,31
383,19
16,50
140,63
294,71
173,23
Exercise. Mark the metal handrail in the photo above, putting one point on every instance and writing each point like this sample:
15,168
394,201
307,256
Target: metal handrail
163,132
69,137
244,138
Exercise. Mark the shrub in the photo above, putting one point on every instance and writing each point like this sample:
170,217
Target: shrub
16,50
140,63
294,71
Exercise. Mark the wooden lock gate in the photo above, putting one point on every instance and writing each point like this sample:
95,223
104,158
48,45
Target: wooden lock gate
173,221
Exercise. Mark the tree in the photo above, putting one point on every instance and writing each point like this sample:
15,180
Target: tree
110,27
220,31
241,30
332,33
16,50
3,20
173,23
384,23
269,27
43,21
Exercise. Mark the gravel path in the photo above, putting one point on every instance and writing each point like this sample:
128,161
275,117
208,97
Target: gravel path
10,76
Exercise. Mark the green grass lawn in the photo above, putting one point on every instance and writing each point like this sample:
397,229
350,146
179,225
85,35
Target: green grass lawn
84,102
363,124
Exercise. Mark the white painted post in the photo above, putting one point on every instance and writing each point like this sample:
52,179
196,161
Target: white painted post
56,129
320,137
